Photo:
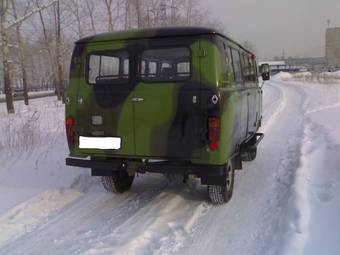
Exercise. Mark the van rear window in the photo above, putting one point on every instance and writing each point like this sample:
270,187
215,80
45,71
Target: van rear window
108,67
166,65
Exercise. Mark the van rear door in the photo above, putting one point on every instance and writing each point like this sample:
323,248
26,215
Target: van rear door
104,104
167,100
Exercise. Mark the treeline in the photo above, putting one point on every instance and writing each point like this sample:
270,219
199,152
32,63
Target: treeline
37,36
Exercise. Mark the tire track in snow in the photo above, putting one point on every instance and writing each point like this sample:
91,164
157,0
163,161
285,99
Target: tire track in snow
84,220
315,186
286,173
272,99
254,221
271,109
323,108
159,228
25,217
274,109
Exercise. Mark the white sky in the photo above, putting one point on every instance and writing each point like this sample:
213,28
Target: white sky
298,26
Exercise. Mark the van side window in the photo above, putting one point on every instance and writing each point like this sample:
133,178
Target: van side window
227,69
253,70
248,69
108,67
237,66
168,64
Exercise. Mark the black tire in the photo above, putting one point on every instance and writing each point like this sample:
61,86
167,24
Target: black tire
119,182
222,194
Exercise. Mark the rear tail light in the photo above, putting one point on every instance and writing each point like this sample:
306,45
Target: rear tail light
69,123
214,132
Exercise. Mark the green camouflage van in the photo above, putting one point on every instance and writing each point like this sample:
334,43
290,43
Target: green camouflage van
168,100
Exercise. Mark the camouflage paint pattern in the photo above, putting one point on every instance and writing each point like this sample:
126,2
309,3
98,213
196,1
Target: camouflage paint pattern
167,124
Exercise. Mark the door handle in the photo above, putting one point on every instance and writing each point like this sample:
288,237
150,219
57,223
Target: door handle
137,99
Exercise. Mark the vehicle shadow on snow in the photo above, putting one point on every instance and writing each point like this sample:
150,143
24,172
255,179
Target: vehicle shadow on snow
191,190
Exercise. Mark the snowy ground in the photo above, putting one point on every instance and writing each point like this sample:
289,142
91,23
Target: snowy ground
284,202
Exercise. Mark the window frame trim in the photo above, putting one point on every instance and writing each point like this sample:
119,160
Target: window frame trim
112,82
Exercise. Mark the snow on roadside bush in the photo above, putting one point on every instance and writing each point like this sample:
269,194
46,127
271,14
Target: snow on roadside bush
282,76
40,123
19,132
310,77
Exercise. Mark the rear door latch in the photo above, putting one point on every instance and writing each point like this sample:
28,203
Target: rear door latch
137,99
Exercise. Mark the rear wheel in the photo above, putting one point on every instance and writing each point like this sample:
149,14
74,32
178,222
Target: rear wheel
220,194
118,182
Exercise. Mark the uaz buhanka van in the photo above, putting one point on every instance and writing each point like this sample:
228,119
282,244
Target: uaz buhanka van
170,100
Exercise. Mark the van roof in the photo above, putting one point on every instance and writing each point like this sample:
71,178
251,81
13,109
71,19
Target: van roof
154,33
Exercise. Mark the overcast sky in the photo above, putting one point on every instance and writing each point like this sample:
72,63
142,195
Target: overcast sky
297,26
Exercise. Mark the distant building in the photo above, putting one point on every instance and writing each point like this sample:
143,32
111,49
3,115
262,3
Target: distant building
281,66
333,47
273,63
312,64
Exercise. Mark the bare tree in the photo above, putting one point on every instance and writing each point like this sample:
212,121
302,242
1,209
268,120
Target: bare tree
5,26
5,55
21,54
138,13
108,4
127,17
60,80
48,48
90,8
76,9
249,45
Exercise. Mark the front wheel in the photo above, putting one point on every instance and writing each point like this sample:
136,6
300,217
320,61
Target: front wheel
221,194
118,182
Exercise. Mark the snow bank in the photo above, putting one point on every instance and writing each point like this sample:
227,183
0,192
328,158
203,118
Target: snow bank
315,205
309,77
33,148
31,126
282,76
302,75
334,75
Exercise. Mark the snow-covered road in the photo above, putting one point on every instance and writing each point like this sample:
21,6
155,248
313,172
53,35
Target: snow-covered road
284,202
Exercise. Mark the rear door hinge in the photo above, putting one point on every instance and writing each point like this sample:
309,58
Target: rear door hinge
202,53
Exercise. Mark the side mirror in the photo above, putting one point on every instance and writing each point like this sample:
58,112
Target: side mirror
265,71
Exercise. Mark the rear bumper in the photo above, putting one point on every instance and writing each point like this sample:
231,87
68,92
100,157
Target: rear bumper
209,174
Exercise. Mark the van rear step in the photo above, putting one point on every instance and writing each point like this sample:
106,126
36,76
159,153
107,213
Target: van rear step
248,150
